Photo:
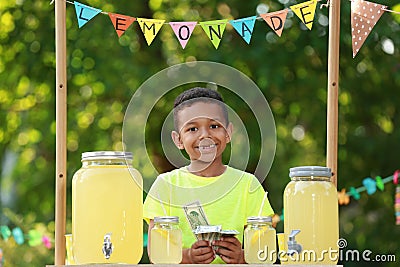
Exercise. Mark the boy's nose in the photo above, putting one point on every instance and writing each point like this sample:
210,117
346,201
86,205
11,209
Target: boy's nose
204,133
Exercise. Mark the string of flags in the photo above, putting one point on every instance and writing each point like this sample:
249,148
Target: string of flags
33,237
371,185
364,16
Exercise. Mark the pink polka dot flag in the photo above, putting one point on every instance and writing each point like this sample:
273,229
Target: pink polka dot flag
364,16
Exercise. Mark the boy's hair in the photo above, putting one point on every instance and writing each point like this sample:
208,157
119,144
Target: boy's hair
198,94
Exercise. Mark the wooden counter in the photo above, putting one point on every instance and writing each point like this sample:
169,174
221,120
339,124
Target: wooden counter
190,265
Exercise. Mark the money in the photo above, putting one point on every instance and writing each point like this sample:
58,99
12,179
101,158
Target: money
208,233
228,233
195,214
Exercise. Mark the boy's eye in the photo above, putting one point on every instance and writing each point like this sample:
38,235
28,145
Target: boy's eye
214,126
192,129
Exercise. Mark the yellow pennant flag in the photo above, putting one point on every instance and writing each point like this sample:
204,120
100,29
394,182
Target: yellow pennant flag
305,11
214,30
150,28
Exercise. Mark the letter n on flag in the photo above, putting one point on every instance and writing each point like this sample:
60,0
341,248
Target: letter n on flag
214,30
364,16
183,31
276,20
121,22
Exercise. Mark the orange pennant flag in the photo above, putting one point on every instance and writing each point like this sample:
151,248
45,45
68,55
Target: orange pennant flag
121,22
343,198
276,20
364,16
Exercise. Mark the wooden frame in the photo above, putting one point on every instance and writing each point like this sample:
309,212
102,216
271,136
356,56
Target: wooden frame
61,114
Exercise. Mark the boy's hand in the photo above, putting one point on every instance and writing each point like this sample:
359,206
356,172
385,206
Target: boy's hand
230,250
200,252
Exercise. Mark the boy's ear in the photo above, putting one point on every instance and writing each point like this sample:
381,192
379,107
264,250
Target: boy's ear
177,140
229,131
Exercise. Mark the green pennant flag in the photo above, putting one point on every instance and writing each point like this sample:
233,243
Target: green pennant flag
214,30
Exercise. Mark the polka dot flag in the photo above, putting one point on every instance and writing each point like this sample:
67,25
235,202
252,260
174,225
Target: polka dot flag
364,16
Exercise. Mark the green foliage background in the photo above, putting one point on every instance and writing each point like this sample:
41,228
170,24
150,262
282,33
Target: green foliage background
104,72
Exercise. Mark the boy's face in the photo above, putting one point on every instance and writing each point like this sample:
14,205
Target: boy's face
203,131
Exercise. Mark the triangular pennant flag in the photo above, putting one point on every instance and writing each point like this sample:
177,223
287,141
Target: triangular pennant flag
305,11
150,28
121,22
214,30
364,16
244,27
370,185
343,198
276,20
183,31
18,235
85,13
35,238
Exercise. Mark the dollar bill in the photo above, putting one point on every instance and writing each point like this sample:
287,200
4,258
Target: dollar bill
195,214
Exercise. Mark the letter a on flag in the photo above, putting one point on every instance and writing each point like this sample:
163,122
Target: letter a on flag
121,22
85,13
305,11
244,27
150,28
183,31
214,30
364,16
276,20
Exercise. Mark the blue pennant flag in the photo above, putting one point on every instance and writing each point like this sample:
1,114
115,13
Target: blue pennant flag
85,13
244,27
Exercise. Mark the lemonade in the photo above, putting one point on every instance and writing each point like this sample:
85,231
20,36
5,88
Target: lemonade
260,241
107,211
311,206
166,240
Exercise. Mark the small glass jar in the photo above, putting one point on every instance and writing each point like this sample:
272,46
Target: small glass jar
311,206
260,241
166,240
107,207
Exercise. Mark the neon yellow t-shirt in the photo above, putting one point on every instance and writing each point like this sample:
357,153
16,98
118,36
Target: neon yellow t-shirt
227,200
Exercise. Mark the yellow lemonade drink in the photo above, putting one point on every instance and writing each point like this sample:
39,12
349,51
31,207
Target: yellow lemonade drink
166,240
311,206
107,223
260,241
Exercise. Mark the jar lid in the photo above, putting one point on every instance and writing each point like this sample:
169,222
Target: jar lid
256,219
305,171
107,155
166,219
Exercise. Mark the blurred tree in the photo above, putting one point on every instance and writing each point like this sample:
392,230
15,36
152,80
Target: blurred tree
104,71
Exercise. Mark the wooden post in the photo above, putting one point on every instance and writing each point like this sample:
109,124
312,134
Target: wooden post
61,131
333,87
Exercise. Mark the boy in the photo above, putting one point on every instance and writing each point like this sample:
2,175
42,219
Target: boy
227,195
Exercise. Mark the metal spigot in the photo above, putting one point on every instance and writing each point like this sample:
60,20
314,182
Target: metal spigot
107,248
293,246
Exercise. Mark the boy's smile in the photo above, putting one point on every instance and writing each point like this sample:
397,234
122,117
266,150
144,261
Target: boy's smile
203,133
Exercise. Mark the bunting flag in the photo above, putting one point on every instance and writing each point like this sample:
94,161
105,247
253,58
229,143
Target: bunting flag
276,20
244,27
34,237
85,13
397,196
214,30
183,31
18,235
150,28
305,12
121,22
364,16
